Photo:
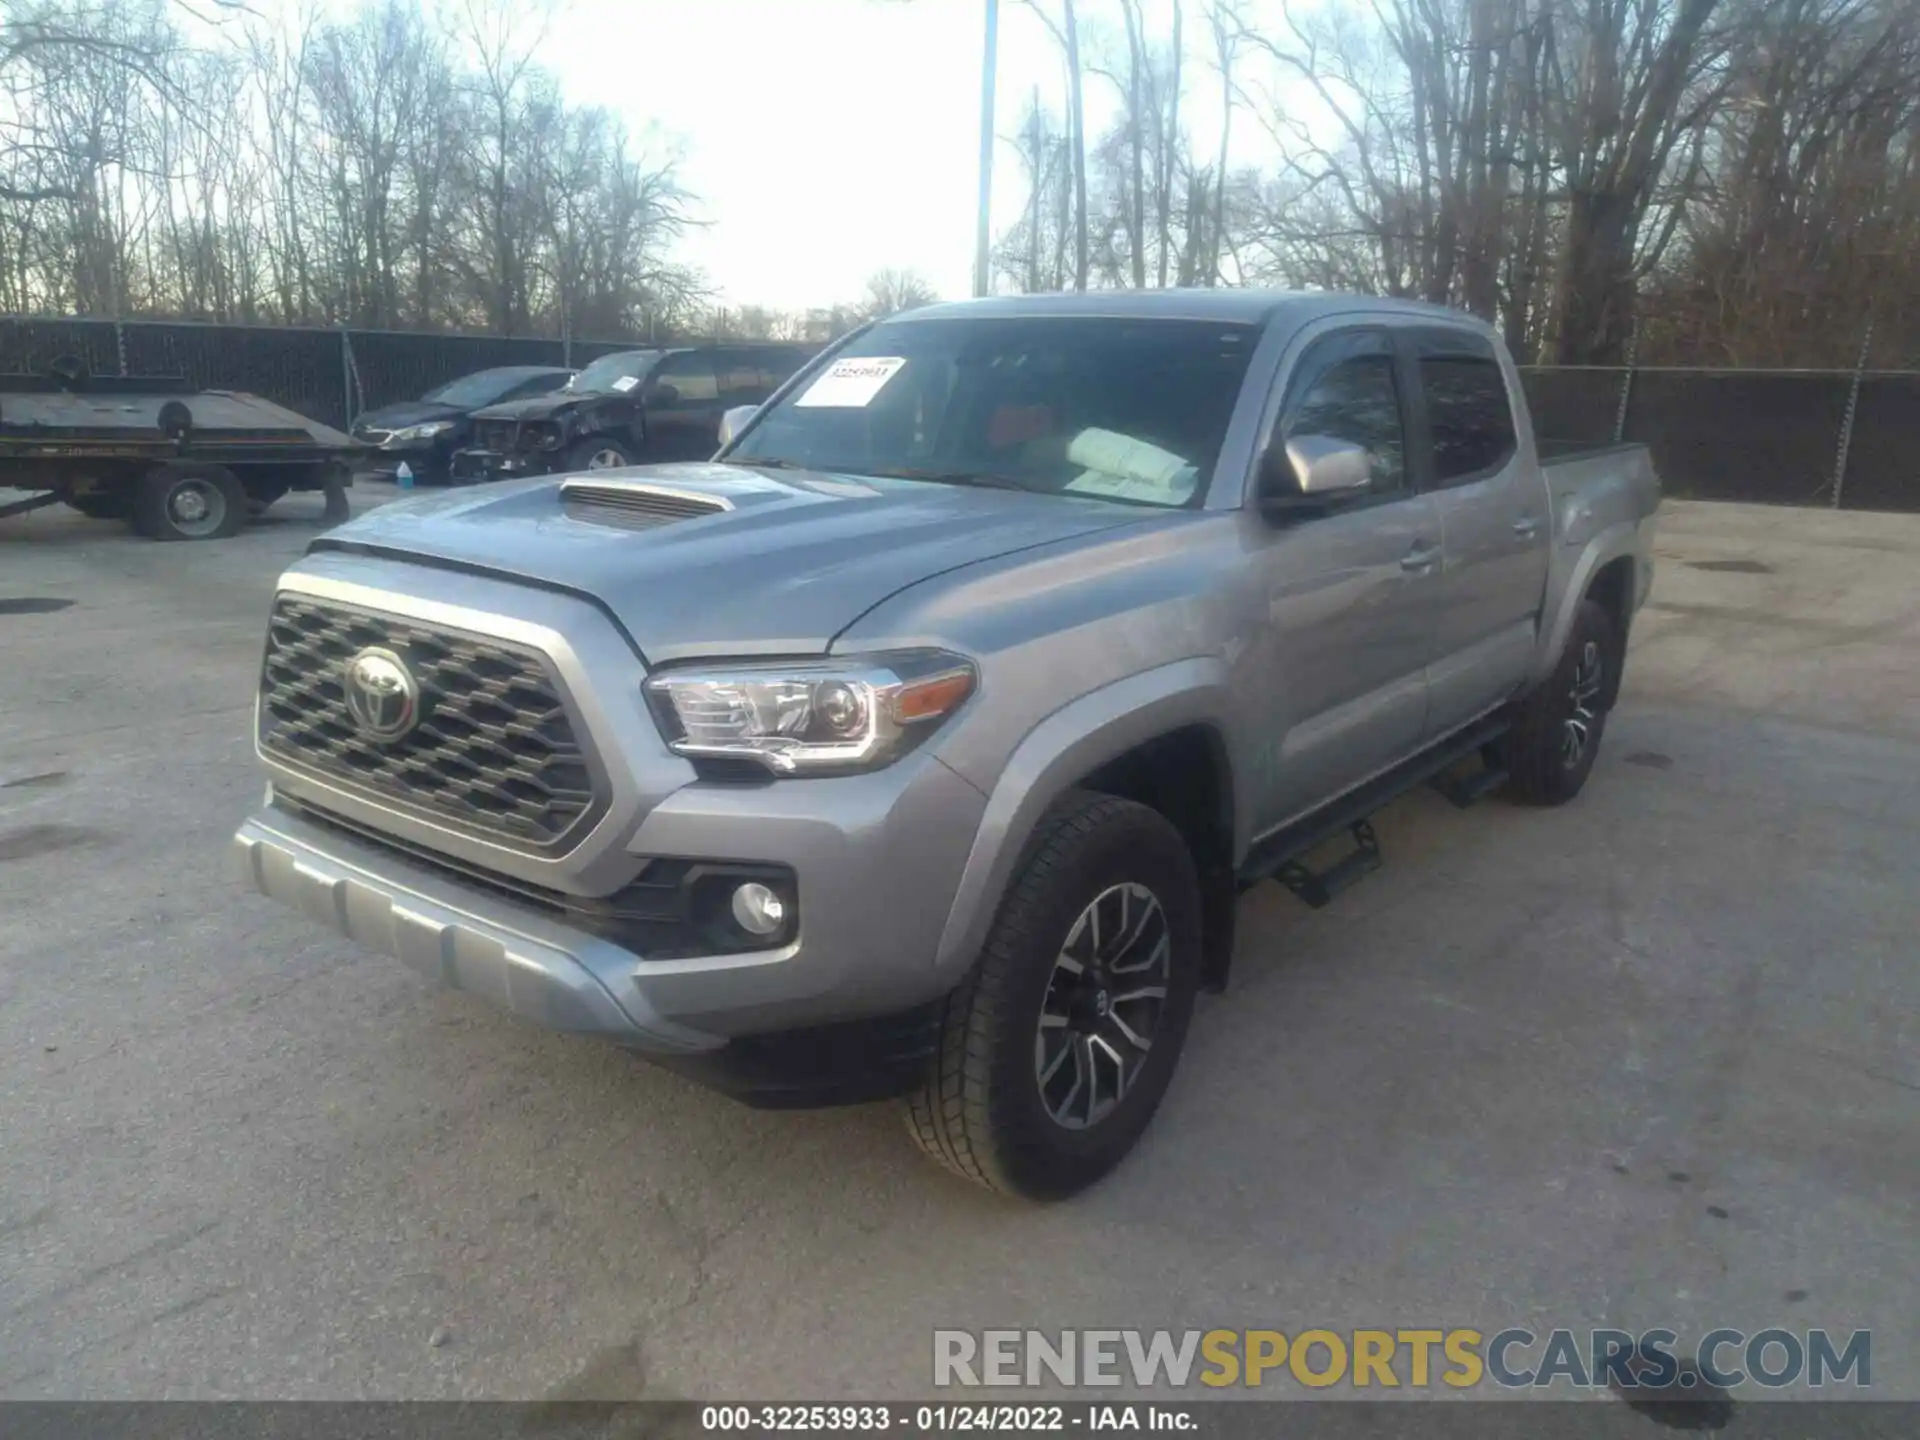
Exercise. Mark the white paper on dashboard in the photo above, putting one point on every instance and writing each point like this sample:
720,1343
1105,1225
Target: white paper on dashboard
852,384
626,383
1128,469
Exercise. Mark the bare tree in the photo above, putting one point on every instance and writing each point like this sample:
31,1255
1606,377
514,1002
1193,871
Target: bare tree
1066,33
1032,253
1225,25
1639,81
890,291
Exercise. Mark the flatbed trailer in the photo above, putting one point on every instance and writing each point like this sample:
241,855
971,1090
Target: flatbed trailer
174,462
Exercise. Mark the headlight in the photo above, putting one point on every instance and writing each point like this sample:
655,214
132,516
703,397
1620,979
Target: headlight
420,432
814,716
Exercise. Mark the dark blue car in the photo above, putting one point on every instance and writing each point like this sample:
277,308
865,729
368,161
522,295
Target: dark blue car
424,433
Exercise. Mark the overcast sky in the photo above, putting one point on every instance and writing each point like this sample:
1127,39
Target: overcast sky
829,138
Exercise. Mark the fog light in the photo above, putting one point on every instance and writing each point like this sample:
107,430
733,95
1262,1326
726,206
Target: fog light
758,909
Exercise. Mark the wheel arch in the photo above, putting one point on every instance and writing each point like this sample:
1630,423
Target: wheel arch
1158,738
1612,588
1612,553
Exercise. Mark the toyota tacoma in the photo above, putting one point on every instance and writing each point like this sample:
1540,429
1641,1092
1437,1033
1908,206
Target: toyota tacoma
920,743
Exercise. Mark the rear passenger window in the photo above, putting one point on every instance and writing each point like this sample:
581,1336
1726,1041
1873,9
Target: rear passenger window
741,381
1356,400
1468,416
691,375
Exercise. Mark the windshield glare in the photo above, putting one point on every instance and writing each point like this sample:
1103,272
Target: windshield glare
1120,409
606,372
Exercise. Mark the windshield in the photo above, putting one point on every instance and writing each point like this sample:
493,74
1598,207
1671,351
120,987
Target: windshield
615,372
1122,409
473,391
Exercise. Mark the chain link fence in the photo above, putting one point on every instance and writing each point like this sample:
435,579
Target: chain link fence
1804,437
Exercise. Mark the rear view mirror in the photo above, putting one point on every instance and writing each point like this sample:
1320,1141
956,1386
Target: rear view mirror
734,421
1309,470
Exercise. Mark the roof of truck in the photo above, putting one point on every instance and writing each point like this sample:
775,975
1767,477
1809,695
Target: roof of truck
1233,306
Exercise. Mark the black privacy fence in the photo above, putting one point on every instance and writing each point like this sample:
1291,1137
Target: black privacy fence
1772,436
1803,437
327,375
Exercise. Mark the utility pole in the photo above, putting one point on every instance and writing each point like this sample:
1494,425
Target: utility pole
983,239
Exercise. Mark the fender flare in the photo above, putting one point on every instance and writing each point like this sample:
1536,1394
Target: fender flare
1070,743
1618,541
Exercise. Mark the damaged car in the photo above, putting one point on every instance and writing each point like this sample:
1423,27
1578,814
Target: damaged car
626,408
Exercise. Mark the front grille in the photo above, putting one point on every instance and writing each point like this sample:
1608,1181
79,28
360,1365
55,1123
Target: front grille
494,751
501,436
634,507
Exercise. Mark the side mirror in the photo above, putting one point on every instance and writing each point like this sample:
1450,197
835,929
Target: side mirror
734,421
1310,470
663,394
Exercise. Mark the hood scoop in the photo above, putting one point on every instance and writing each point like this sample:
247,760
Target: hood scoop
634,504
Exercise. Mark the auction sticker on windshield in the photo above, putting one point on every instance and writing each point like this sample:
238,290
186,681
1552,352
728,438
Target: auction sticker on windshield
852,384
626,383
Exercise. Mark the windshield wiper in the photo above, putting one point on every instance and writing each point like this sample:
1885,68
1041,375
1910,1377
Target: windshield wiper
948,477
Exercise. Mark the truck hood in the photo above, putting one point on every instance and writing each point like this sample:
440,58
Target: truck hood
797,558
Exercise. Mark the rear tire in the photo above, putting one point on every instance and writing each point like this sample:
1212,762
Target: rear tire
1040,1083
189,501
1550,751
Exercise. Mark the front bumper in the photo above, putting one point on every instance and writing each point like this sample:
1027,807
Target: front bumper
476,467
565,979
551,974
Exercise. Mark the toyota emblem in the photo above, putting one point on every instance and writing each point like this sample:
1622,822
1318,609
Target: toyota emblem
382,695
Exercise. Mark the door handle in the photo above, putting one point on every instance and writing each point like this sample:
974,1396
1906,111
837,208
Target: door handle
1420,559
1526,527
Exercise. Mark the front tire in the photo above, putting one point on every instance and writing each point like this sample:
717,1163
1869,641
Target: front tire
189,501
1550,751
598,452
1055,1051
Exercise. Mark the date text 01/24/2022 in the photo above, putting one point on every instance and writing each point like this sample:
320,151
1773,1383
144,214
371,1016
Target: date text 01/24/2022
944,1419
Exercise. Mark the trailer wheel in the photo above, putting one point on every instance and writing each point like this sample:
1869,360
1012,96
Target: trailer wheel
189,501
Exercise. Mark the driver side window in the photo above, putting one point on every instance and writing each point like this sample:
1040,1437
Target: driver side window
1345,390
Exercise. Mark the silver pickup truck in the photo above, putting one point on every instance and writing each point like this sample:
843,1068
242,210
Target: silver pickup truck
920,743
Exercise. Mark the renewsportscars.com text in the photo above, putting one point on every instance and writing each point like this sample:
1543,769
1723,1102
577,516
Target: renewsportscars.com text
1459,1359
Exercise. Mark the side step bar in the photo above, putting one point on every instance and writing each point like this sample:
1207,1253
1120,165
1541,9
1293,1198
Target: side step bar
1278,856
1317,888
1463,792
